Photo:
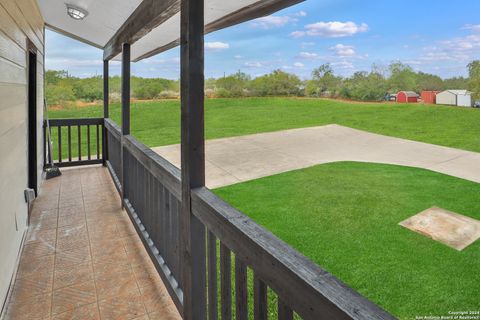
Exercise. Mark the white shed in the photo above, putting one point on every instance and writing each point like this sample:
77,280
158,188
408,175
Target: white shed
461,98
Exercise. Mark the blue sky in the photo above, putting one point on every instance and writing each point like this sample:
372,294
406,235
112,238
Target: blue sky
438,37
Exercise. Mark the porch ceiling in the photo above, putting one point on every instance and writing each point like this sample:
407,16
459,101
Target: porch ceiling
105,19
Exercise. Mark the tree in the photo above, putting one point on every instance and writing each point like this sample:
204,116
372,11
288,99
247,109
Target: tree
364,86
323,81
474,75
402,77
277,83
426,81
235,85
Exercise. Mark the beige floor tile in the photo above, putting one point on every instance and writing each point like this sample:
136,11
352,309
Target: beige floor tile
26,287
38,249
72,257
88,312
47,236
155,297
30,266
70,275
37,307
72,297
122,308
67,244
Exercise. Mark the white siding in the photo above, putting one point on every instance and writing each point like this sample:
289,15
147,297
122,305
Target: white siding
447,98
19,20
464,100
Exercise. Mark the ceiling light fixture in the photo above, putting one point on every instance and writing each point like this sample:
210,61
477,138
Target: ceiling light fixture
76,13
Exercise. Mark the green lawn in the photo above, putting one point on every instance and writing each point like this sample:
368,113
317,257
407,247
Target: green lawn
344,216
157,123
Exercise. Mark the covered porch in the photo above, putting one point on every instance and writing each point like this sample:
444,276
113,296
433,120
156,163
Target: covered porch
82,258
139,238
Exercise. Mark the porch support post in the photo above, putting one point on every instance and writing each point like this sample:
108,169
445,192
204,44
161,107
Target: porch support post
105,112
193,157
125,112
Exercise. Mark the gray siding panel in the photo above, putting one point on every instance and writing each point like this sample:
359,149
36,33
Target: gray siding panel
20,21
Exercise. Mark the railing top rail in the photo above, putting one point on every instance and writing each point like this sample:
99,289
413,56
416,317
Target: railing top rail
75,122
156,164
309,290
112,127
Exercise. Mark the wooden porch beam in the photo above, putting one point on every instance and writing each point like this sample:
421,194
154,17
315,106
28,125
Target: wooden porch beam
105,111
193,259
148,15
125,115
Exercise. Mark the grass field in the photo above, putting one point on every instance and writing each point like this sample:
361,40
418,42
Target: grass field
157,123
344,216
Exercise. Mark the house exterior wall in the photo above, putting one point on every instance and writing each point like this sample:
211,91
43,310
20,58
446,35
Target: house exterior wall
20,21
464,100
447,98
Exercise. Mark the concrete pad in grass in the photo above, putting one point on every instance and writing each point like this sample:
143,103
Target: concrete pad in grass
452,229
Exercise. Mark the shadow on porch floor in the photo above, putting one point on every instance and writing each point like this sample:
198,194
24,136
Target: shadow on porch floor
82,258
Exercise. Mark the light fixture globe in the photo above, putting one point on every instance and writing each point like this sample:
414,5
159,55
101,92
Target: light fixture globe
75,12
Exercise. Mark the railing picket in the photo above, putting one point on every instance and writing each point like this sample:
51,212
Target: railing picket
260,302
59,144
225,282
241,294
284,311
88,143
69,143
98,141
79,142
212,277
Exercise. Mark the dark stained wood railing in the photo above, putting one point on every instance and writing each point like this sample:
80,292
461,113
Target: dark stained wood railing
235,247
113,138
76,142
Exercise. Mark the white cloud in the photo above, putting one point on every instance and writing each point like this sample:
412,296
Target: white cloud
216,46
308,55
307,44
456,49
270,22
253,64
332,29
343,50
343,65
238,57
298,65
472,27
297,34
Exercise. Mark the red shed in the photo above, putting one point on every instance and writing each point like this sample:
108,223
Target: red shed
407,97
429,97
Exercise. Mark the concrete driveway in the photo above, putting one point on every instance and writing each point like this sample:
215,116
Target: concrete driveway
238,159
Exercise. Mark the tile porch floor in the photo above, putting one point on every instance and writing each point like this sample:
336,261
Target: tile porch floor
82,258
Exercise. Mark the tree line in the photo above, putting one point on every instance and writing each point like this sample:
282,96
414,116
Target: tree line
370,85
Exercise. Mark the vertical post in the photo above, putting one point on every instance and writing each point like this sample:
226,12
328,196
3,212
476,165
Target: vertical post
125,112
105,112
193,157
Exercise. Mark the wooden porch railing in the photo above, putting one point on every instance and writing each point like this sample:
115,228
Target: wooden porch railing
151,191
75,142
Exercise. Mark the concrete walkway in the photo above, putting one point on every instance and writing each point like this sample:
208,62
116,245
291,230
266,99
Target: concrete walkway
238,159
